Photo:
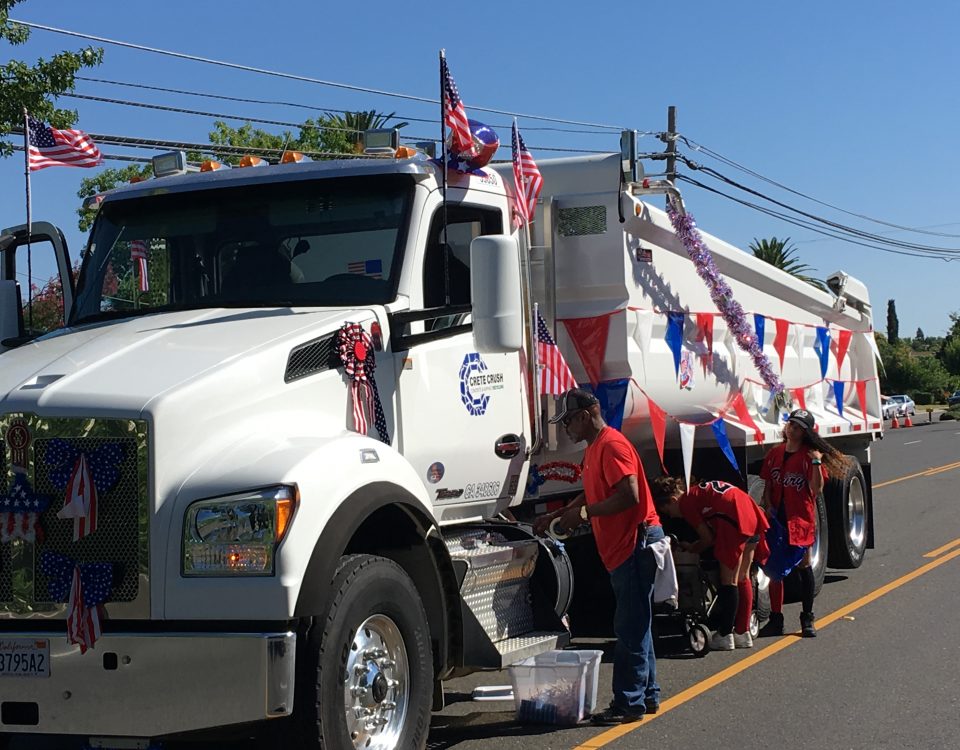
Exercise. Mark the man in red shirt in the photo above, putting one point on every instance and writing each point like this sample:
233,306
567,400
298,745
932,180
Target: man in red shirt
616,501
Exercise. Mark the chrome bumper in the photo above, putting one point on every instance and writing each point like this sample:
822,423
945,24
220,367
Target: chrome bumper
150,684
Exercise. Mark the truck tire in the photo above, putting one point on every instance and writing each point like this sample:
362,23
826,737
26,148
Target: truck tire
847,512
366,677
821,551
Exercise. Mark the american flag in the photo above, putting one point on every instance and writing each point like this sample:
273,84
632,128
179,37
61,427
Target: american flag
454,113
138,254
81,500
555,375
59,148
527,180
85,587
370,268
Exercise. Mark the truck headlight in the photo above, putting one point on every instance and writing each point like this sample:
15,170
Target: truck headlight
237,534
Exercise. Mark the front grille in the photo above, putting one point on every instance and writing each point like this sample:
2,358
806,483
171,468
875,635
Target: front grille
116,451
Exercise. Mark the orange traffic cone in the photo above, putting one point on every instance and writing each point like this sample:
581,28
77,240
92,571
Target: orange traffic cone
895,423
907,422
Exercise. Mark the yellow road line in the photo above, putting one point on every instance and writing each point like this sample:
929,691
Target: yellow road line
940,550
692,692
925,473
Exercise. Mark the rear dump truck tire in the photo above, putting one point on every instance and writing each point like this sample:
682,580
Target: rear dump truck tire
847,510
365,676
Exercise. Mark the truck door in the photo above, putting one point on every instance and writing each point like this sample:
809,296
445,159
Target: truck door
43,266
462,424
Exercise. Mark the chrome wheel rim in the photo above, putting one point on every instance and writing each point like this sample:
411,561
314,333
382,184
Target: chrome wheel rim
376,684
856,515
815,547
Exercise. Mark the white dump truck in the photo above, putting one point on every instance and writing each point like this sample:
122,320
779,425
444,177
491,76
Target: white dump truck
263,473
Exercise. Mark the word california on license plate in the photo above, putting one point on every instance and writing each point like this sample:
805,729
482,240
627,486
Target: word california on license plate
24,657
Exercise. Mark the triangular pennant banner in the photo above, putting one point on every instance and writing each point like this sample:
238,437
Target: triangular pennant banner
705,331
822,347
743,415
780,341
687,432
759,325
658,422
838,394
720,431
644,332
861,386
843,343
612,395
800,397
589,337
799,332
674,337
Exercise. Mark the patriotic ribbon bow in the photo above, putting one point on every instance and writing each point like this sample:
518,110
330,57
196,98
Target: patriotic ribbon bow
85,587
20,509
356,352
82,475
556,471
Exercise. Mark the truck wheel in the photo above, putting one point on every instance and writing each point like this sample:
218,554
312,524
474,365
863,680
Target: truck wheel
847,511
366,678
761,595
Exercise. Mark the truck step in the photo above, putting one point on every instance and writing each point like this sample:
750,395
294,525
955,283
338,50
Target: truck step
513,650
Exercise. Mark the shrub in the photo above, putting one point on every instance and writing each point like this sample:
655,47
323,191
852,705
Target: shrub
922,398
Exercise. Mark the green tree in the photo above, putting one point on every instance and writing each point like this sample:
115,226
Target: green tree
950,356
32,87
893,323
783,255
919,336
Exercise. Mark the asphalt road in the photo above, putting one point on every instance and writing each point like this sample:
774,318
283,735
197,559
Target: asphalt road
882,673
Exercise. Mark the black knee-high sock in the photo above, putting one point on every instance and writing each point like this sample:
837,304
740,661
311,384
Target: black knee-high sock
724,612
806,588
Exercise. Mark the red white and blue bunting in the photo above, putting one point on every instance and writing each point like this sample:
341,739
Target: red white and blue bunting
83,476
84,586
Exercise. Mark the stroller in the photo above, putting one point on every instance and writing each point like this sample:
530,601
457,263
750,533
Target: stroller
698,579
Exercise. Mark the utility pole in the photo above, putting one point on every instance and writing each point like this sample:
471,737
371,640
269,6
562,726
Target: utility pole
671,147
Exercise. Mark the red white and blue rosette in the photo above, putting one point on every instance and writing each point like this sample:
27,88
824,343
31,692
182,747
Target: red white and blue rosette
356,353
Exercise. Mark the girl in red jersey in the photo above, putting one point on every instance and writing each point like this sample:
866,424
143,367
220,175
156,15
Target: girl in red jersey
726,518
795,472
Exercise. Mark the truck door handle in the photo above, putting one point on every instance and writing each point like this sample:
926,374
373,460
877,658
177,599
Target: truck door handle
508,446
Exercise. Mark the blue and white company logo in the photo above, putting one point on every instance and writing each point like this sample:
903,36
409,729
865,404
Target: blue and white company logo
477,383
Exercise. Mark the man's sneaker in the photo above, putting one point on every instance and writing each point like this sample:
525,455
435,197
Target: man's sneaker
613,715
721,642
773,627
807,629
651,706
743,640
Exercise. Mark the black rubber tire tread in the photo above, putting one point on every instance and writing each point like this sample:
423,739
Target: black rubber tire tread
368,584
842,553
761,602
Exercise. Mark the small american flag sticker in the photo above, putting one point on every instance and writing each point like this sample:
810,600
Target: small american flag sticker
370,268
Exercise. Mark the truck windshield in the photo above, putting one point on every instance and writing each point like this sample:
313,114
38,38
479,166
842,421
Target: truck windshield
332,242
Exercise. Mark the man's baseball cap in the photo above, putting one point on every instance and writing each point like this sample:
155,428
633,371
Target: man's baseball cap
574,400
803,418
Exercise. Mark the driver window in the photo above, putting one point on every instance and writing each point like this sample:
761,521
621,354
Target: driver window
464,223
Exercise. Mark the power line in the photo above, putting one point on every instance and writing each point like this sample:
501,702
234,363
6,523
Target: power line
929,249
295,77
730,162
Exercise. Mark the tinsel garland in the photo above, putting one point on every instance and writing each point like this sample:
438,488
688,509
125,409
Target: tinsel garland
556,471
686,228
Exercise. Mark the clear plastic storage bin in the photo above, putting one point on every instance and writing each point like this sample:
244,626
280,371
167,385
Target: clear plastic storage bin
558,687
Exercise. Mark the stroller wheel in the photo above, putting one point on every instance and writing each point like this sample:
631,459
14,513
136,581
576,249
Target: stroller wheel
697,638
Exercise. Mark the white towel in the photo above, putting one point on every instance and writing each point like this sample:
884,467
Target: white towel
665,587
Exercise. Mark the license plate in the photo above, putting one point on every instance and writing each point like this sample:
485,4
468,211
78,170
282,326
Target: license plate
24,657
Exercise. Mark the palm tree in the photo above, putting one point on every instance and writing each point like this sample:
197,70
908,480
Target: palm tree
782,254
357,122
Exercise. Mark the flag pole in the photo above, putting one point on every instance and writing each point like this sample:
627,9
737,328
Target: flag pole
443,163
26,172
529,304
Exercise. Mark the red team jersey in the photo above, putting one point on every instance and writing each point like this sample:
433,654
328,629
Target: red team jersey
610,458
789,473
729,512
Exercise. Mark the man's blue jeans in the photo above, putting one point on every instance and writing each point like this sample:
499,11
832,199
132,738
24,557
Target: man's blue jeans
634,663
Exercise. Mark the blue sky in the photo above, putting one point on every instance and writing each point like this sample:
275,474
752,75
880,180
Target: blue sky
845,102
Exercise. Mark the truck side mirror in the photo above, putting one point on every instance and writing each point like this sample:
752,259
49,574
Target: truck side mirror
495,287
